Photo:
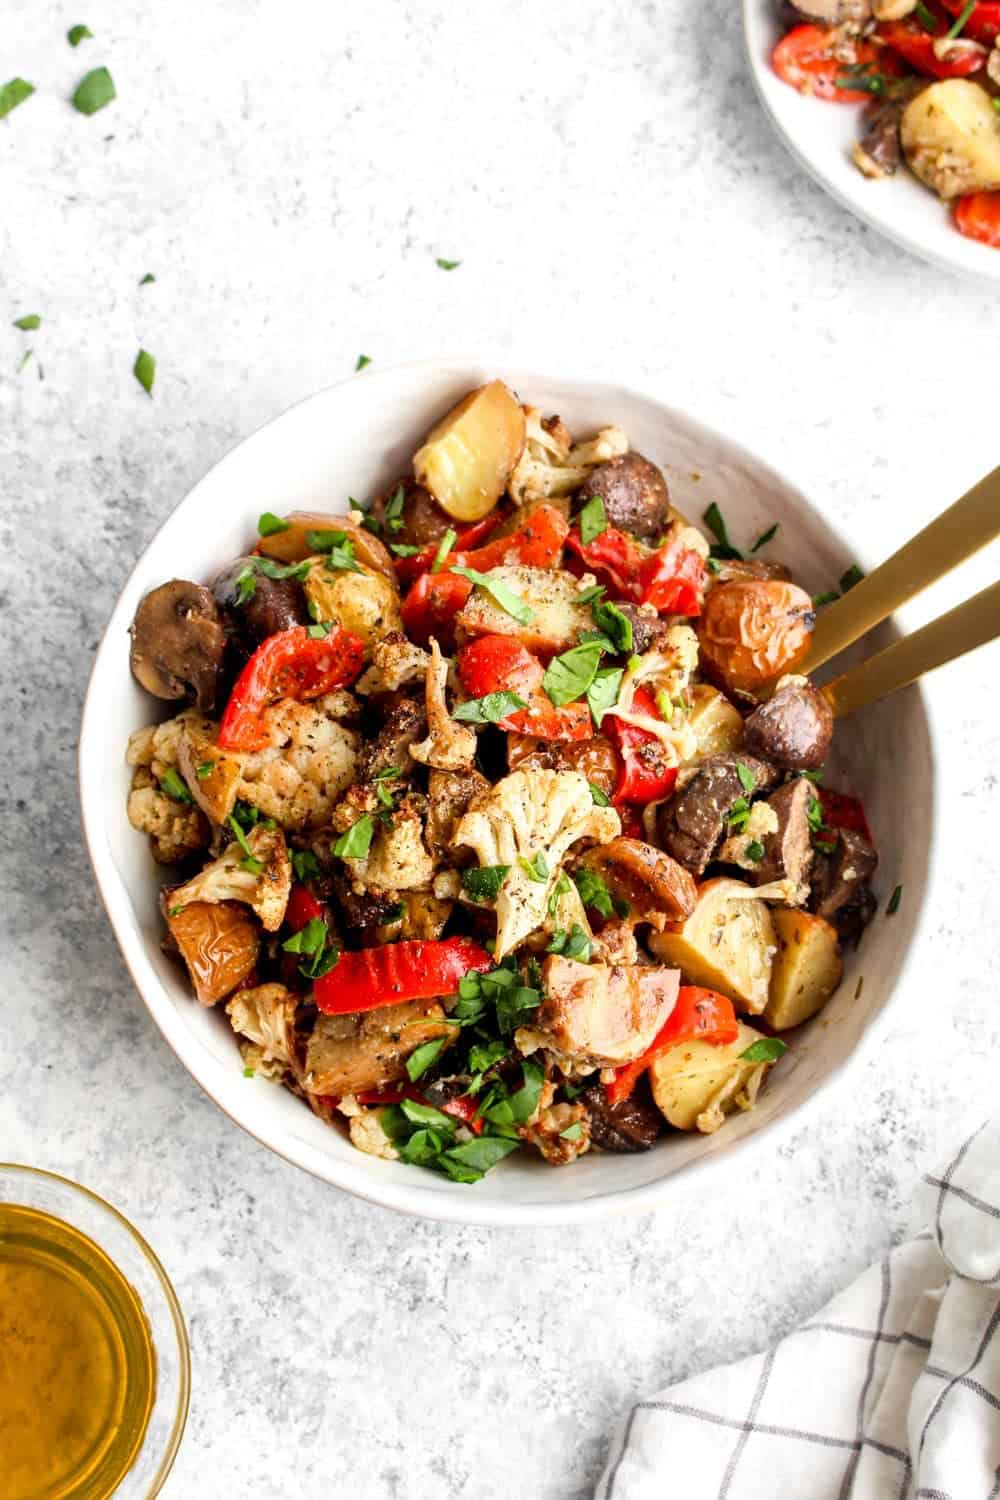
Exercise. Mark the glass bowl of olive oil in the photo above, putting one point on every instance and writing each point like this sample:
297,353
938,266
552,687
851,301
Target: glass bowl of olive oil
95,1370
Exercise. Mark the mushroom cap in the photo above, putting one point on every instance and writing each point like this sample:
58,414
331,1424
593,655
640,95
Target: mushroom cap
178,643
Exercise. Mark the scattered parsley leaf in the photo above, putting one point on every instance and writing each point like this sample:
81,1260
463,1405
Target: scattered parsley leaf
393,515
573,944
602,695
204,771
175,911
593,520
144,370
589,595
814,815
95,90
444,547
270,524
483,884
404,549
724,548
26,357
249,1073
536,868
754,850
572,1132
420,1060
305,864
447,265
959,26
77,34
768,1049
600,799
173,784
593,891
28,323
864,83
478,1155
337,547
524,1102
765,537
926,18
851,577
357,840
239,833
490,709
569,676
312,942
363,360
616,626
507,599
14,93
827,598
148,279
894,900
738,815
747,779
319,630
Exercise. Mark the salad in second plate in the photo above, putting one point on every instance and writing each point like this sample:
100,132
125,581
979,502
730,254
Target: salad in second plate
928,73
494,813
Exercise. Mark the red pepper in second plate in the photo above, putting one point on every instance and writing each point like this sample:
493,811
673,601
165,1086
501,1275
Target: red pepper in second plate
917,47
841,811
673,580
289,664
699,1014
498,663
645,775
396,972
984,23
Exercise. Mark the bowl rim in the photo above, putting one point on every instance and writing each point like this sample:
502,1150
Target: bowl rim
359,1179
966,262
179,1422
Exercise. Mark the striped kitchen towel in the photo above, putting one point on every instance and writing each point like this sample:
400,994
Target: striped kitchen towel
892,1392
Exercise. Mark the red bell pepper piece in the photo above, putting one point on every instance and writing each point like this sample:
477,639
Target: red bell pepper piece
841,811
536,543
806,59
289,664
431,606
977,216
409,568
917,47
463,1107
699,1014
644,775
673,580
615,558
501,663
984,23
303,907
396,972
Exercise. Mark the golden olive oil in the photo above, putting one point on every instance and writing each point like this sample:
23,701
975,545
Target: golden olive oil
77,1365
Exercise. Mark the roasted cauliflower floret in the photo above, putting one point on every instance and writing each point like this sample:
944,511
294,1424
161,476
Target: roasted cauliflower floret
551,464
666,672
262,880
396,662
449,746
365,1129
528,821
398,859
264,1017
561,1132
309,762
175,829
158,745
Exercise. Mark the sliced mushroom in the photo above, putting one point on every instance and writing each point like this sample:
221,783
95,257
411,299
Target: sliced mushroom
633,1124
691,824
178,643
657,889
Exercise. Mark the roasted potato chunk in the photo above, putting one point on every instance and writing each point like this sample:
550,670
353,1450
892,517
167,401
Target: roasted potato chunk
726,944
696,1085
467,459
717,725
951,138
750,633
365,603
219,942
807,968
293,545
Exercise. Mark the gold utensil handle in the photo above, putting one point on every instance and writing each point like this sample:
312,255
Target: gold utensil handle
955,535
962,629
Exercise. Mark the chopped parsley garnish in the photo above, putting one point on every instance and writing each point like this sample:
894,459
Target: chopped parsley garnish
926,18
174,786
420,1060
600,799
569,676
239,833
561,888
484,884
337,547
863,82
77,34
490,709
723,548
851,577
393,516
572,1132
14,93
602,695
824,846
814,815
357,840
573,944
588,596
444,547
754,850
768,1049
148,279
594,892
305,864
95,90
536,868
504,989
447,265
144,370
827,598
593,520
25,358
318,952
765,537
270,524
959,26
404,549
893,907
616,626
28,323
739,815
363,360
319,629
249,1073
204,771
747,779
507,599
175,911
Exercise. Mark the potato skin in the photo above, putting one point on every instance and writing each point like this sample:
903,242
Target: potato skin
634,492
365,603
219,942
293,545
807,968
467,459
751,632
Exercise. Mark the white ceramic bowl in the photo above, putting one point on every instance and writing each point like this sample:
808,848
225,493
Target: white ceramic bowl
350,440
820,136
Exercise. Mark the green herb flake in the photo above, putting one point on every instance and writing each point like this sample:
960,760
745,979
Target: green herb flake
484,884
754,850
249,1073
814,815
28,323
393,515
716,524
602,695
507,599
824,847
319,630
995,101
356,842
362,362
853,576
148,279
144,370
827,598
305,864
252,864
766,536
444,547
593,891
14,93
313,944
77,34
573,944
337,548
926,18
893,907
239,833
95,90
491,709
863,83
447,265
536,868
175,911
270,525
747,779
204,771
404,549
427,1115
599,798
739,815
589,596
421,1059
524,1102
768,1049
26,358
572,1132
593,520
569,676
616,626
172,783
959,26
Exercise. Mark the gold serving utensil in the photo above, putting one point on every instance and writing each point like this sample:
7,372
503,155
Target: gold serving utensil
956,534
962,629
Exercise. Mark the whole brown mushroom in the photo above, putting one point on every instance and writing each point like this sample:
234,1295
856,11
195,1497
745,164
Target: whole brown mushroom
178,643
634,492
793,729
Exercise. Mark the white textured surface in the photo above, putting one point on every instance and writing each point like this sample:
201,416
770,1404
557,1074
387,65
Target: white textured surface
289,173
